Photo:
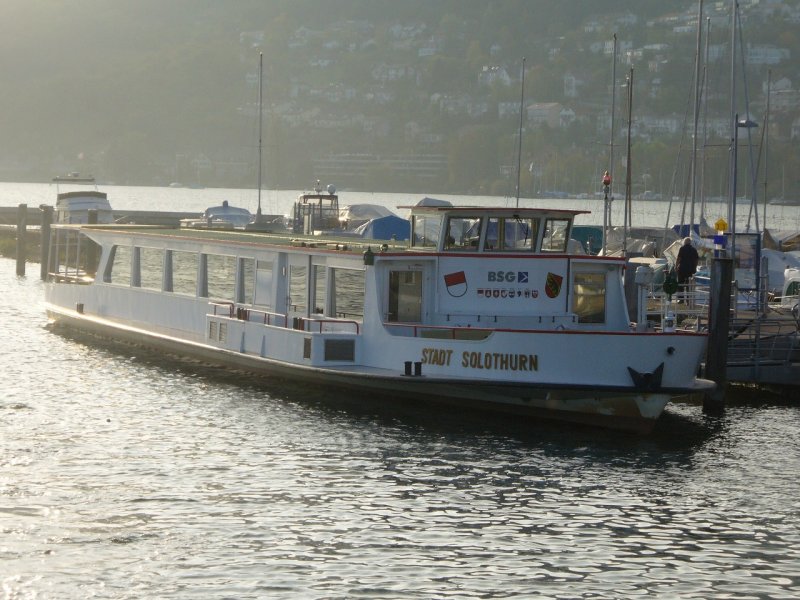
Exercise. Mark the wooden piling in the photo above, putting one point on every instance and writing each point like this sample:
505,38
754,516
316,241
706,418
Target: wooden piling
719,311
22,231
47,220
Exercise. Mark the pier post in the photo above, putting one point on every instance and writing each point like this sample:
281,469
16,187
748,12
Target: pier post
719,311
22,232
47,220
91,249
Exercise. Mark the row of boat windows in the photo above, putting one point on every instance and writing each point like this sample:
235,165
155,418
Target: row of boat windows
321,290
490,234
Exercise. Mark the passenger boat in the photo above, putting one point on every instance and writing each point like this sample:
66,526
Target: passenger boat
482,307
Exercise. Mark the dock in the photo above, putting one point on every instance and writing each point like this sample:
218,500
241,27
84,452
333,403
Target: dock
763,345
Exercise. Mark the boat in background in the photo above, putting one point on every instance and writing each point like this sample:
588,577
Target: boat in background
223,216
81,206
483,307
316,212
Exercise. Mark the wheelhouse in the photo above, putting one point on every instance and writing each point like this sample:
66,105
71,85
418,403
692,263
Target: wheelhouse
491,230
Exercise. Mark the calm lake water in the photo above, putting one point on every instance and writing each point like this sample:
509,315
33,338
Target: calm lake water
125,475
649,213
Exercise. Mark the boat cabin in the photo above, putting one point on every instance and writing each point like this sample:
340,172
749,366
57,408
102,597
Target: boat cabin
83,207
491,230
316,212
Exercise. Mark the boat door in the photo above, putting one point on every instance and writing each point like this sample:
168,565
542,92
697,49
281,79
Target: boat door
405,296
408,287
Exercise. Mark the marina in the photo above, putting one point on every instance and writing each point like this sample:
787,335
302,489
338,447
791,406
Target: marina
758,357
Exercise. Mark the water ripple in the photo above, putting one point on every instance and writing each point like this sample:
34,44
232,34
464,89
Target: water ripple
126,476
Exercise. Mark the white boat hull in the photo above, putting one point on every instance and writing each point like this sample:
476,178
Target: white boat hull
621,407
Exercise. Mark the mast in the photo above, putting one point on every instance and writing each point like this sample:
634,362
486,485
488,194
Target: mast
609,199
734,118
521,109
260,117
702,183
696,113
628,179
765,133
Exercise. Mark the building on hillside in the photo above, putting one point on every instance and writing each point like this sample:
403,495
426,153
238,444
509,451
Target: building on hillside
795,133
490,75
507,110
765,54
544,113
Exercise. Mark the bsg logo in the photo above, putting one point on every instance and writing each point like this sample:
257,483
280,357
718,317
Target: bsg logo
508,276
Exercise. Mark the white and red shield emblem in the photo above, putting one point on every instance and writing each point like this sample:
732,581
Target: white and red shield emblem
456,284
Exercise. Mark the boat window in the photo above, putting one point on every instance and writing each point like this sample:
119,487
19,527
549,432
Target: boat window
247,280
463,233
221,273
346,293
184,272
555,235
425,231
151,263
297,288
121,266
319,289
405,297
511,234
589,297
263,284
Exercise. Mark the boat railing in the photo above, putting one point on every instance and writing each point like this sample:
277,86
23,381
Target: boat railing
265,317
222,307
438,331
327,325
689,305
763,341
67,275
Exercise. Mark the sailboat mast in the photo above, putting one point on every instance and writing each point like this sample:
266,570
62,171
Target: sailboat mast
610,197
260,117
521,111
696,112
702,182
628,177
733,117
766,144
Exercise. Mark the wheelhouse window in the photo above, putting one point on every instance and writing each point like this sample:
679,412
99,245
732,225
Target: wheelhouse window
589,297
511,234
463,233
555,235
425,231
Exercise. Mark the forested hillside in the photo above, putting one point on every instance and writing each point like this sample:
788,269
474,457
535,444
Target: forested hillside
413,95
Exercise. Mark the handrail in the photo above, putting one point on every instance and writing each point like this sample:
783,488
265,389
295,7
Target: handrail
417,327
228,305
323,321
267,316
